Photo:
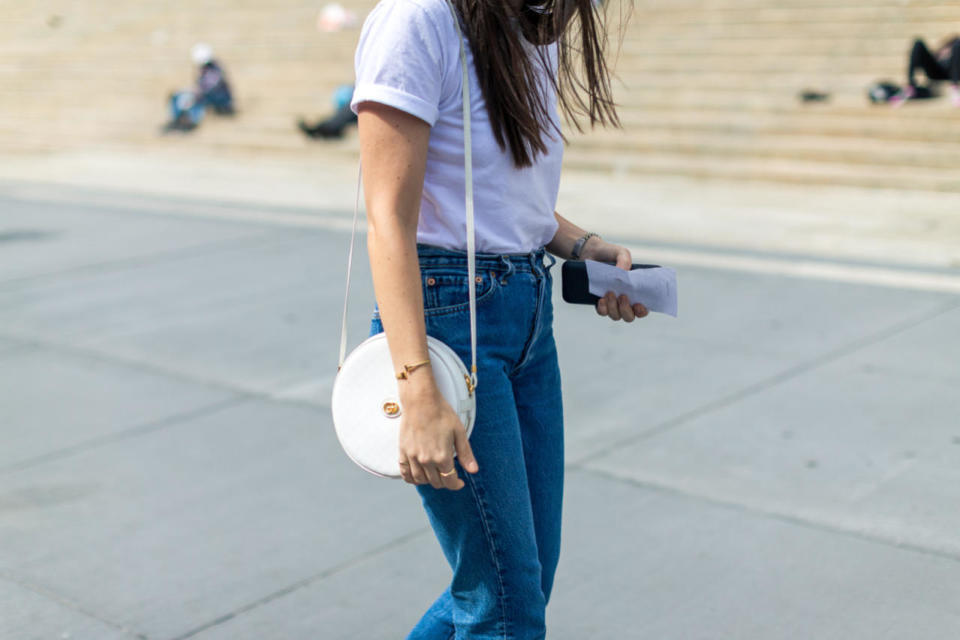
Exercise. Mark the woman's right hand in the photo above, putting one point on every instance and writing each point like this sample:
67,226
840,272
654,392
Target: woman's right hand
430,432
393,151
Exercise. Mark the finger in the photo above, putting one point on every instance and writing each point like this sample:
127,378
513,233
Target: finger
602,306
626,311
405,472
640,310
451,480
613,309
465,451
624,261
416,471
433,475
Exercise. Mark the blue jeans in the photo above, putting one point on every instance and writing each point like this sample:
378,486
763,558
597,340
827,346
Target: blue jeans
501,532
186,104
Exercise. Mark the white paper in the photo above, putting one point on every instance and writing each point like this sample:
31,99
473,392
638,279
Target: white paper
654,288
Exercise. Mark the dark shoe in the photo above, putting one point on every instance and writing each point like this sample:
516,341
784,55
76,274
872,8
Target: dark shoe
178,126
812,95
324,130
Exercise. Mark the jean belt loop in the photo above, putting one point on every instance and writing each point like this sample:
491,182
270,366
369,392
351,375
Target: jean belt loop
506,262
551,258
539,264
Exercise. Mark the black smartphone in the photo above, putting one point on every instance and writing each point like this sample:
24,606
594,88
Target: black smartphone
576,288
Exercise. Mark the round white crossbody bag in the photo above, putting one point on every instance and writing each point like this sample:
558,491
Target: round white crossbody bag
366,403
366,406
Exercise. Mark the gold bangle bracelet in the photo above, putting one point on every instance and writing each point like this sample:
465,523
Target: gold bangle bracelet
410,368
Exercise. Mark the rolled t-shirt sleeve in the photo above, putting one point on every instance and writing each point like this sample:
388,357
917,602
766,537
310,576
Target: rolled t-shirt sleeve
399,60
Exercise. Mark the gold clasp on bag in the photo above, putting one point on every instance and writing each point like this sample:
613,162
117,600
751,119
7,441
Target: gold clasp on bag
471,385
391,409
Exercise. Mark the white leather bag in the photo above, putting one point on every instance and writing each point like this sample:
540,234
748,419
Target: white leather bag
366,404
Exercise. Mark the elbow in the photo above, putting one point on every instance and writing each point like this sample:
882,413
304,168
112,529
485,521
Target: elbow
386,228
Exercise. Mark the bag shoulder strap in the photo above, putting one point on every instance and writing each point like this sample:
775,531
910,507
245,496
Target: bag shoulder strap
468,203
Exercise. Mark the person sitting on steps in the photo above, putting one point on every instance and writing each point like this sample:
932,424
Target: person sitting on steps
335,125
943,64
212,91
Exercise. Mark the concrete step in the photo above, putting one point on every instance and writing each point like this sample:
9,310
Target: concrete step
765,170
808,148
772,13
879,123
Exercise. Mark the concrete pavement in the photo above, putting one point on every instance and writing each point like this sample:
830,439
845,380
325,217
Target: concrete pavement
782,461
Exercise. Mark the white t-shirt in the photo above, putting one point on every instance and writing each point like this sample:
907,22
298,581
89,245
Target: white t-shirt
408,57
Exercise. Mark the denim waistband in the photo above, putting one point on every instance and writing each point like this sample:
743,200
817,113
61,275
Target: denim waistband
537,260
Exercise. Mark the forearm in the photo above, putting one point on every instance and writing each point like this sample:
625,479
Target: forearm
595,248
396,282
566,236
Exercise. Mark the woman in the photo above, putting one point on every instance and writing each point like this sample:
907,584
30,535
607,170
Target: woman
496,508
944,64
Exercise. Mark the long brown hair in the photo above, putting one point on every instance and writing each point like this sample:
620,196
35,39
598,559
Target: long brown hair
509,75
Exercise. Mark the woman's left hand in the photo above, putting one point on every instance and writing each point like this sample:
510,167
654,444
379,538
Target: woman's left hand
610,305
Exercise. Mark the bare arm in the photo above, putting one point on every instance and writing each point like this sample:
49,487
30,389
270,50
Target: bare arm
566,236
597,249
393,153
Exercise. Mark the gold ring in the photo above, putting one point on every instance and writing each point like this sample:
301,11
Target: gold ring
448,473
404,463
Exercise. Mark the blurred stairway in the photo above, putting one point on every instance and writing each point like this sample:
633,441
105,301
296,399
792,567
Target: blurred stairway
708,88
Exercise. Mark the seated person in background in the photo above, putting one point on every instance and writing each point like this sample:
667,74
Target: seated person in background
943,64
334,126
187,107
212,82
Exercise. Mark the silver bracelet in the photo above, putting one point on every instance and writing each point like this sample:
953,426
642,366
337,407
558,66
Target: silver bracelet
580,243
